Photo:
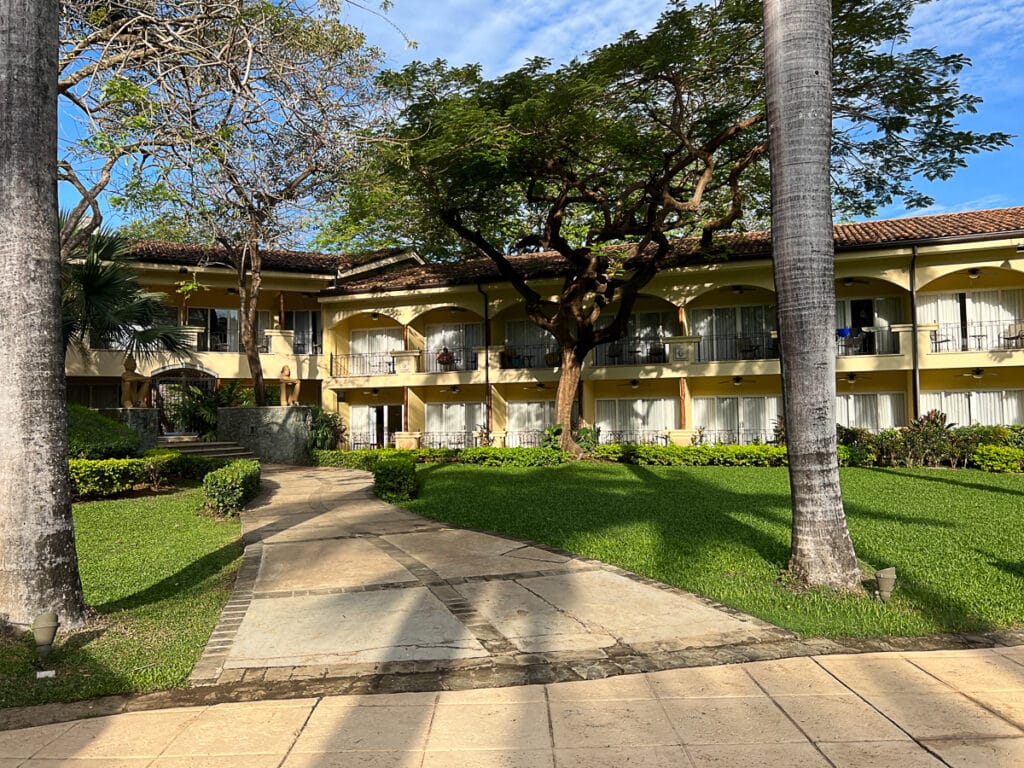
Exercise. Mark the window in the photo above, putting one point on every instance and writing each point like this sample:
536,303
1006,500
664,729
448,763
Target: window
875,412
734,333
971,320
644,340
458,339
737,419
990,407
874,314
527,421
308,334
639,420
371,351
451,425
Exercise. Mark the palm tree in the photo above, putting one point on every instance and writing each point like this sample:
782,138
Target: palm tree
798,79
104,307
38,561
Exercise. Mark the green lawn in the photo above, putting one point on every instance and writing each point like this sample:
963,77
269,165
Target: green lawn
157,574
955,537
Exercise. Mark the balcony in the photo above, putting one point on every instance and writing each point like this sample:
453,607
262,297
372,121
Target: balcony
760,346
988,336
877,340
444,360
632,352
537,356
365,364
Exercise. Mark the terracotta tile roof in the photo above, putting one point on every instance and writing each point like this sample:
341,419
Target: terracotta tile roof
728,246
161,252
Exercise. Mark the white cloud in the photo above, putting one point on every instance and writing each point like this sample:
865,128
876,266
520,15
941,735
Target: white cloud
502,34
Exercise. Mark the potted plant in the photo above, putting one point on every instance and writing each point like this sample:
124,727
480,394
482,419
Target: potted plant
445,358
553,358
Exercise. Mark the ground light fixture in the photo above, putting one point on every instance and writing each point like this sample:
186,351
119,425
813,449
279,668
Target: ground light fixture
44,630
886,580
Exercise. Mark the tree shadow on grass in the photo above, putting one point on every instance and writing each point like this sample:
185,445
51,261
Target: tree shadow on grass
948,480
690,514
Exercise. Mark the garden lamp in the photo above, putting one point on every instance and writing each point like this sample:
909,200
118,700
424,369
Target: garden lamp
886,580
44,630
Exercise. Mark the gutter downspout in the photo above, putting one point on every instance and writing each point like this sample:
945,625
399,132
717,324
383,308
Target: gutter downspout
914,351
487,359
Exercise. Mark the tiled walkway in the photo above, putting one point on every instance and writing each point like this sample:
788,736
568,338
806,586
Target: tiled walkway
516,656
915,710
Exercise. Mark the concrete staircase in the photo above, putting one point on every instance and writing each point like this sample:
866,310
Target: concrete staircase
190,445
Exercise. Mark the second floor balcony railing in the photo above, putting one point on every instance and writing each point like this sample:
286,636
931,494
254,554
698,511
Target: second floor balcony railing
364,364
857,341
632,352
445,359
756,346
530,356
979,336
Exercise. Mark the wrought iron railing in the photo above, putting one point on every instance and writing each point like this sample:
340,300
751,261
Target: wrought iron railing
633,437
365,364
632,352
448,440
732,436
758,346
358,440
977,336
856,341
530,356
445,359
524,438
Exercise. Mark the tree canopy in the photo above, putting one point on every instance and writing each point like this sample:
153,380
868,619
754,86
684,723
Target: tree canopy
651,137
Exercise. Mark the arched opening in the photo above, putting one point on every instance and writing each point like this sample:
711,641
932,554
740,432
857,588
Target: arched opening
975,309
734,322
170,387
866,310
448,337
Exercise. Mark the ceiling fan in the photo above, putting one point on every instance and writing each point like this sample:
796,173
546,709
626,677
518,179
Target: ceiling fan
739,289
848,281
853,378
977,373
738,381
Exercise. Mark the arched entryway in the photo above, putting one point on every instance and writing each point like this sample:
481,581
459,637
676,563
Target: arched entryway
168,388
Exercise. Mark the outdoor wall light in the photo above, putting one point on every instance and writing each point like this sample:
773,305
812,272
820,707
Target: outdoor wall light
44,630
886,580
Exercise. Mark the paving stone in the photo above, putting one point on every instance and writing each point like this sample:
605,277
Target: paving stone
941,716
874,754
453,553
135,735
339,727
382,759
620,757
979,753
368,626
249,728
506,726
518,758
28,741
975,672
736,720
872,673
839,718
599,724
757,756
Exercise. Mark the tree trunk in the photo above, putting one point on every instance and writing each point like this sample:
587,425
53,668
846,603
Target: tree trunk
798,67
249,293
38,561
568,384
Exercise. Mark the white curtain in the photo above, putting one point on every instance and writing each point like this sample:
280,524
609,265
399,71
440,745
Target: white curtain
1013,406
636,415
944,309
455,335
455,417
526,333
873,411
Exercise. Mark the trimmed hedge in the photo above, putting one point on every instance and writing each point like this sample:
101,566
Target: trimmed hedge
512,457
394,479
230,488
998,458
705,455
96,478
94,436
367,458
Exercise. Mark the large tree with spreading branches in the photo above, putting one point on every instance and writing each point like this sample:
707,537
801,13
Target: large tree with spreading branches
606,159
241,146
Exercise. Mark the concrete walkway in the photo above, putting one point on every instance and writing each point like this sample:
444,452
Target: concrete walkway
337,585
516,656
913,710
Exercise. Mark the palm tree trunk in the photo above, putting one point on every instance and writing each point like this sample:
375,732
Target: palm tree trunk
38,561
798,67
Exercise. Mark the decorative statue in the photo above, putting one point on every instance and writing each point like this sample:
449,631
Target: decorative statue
134,386
289,387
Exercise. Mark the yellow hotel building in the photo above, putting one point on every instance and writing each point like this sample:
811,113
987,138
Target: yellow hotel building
929,315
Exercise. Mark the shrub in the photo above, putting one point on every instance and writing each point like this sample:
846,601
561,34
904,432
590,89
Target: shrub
96,478
890,448
94,436
928,439
964,441
326,431
512,457
699,455
229,488
394,479
856,456
196,408
185,466
1015,436
999,458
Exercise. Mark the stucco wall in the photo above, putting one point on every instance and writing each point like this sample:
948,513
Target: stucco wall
145,422
276,435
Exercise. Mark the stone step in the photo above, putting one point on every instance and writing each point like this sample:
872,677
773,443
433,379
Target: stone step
194,447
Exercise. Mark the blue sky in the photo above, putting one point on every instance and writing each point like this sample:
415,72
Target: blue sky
501,34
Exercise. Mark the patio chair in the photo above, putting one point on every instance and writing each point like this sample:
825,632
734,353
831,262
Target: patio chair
1014,338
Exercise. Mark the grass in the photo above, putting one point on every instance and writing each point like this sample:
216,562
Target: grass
956,538
157,574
